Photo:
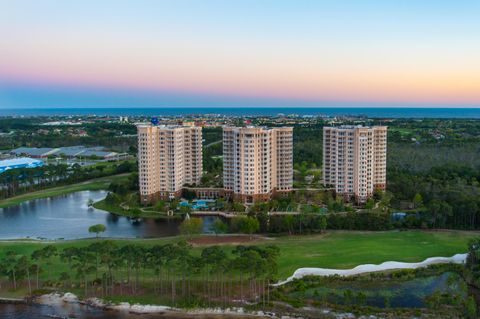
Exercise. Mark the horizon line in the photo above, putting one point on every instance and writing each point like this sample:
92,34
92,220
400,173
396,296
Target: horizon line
241,107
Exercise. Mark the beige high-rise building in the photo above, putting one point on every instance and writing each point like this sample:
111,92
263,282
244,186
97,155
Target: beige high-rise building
355,160
169,157
257,162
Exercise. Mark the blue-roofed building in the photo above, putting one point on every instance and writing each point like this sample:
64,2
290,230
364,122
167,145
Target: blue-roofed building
21,162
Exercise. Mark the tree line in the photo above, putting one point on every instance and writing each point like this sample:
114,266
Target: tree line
173,272
18,181
442,197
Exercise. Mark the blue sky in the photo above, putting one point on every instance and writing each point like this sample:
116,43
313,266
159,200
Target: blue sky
239,53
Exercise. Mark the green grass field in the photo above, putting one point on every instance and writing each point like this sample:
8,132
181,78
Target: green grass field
349,249
94,184
331,250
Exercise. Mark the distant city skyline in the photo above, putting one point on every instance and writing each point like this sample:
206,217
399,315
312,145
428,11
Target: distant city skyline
187,53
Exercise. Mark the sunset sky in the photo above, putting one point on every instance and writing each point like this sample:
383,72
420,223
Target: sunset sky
142,53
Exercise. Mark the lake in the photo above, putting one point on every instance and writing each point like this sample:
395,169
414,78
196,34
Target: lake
68,217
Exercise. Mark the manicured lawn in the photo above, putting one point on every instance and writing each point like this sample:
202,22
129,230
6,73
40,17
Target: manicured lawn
332,250
349,249
94,184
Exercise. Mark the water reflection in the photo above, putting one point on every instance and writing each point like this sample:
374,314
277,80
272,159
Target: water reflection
68,216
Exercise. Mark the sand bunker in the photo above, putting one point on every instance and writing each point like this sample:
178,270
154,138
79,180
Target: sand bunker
361,269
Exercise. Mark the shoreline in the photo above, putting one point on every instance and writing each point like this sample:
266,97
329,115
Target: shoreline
95,184
13,301
56,299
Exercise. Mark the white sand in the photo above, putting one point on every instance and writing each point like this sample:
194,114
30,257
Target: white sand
69,297
140,309
361,269
57,298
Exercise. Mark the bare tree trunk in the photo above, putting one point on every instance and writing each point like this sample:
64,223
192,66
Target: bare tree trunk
263,291
29,282
38,270
241,286
268,291
161,282
14,281
173,291
86,290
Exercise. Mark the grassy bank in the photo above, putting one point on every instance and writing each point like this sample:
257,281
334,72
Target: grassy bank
94,184
331,250
144,212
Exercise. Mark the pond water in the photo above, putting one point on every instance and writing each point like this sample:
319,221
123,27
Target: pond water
411,293
68,217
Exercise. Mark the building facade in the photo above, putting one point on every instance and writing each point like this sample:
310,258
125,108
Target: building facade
169,157
257,162
355,160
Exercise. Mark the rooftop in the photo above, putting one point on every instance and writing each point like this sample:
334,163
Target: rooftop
165,126
70,151
33,151
349,127
21,162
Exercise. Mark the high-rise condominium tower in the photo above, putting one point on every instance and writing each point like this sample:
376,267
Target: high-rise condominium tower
257,162
355,160
169,157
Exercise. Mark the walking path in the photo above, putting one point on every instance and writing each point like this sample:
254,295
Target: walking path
213,143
